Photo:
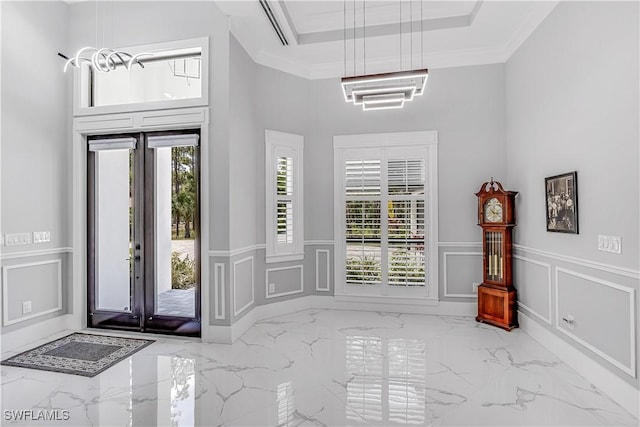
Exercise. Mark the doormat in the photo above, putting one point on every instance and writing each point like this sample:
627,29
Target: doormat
78,354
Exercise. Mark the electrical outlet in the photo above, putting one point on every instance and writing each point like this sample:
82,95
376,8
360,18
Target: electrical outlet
26,307
272,288
569,320
474,287
41,236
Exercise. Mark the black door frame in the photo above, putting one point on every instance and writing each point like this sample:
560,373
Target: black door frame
142,317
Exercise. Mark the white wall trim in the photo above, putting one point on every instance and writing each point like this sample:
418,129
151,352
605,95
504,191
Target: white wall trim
219,291
236,252
619,390
282,294
444,274
621,271
546,319
460,244
237,310
5,291
34,253
327,286
631,369
318,242
257,247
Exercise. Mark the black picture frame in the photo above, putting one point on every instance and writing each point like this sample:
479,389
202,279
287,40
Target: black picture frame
561,192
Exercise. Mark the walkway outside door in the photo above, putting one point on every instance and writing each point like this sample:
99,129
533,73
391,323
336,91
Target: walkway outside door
143,266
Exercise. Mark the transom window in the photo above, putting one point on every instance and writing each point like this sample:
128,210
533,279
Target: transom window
171,75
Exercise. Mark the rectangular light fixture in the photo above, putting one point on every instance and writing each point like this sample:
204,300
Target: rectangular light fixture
386,105
406,84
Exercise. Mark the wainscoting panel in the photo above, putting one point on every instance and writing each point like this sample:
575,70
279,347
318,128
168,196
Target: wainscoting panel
323,270
39,282
243,285
532,279
603,315
219,282
282,281
460,269
590,306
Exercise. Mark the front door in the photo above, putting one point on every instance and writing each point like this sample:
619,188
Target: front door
143,269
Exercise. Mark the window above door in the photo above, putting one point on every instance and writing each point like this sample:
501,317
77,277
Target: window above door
175,75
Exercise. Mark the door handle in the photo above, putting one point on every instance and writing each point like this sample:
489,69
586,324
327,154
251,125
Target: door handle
135,258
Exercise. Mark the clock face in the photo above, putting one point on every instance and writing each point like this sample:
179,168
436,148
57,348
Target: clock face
493,210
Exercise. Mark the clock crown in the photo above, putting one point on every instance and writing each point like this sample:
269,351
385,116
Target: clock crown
491,187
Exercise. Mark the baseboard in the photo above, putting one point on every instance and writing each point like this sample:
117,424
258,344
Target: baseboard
12,341
622,392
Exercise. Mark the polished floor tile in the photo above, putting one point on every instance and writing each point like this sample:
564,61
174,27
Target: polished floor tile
325,368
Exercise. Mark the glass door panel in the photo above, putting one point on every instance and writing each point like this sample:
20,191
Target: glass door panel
175,231
114,230
172,285
114,255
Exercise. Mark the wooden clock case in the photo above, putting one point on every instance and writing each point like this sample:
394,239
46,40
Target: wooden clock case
496,294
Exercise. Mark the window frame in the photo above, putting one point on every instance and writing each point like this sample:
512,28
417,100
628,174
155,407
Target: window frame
385,147
82,81
280,144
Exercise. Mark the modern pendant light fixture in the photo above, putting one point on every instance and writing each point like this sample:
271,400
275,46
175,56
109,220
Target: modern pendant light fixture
103,59
387,90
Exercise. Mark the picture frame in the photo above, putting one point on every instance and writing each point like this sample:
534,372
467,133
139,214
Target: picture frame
561,192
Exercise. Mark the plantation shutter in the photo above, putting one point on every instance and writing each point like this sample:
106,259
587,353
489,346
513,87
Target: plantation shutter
363,221
385,220
406,182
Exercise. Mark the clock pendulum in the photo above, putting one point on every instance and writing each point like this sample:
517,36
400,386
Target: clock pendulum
496,294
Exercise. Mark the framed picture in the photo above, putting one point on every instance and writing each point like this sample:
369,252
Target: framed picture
562,203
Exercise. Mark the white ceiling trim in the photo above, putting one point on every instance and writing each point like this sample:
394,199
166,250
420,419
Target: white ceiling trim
433,60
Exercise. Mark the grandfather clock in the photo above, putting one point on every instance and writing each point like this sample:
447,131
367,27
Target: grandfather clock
496,294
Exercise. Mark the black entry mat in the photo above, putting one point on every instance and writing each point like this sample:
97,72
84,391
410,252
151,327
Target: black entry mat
78,354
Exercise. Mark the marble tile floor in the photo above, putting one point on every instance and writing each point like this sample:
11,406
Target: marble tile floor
327,368
177,302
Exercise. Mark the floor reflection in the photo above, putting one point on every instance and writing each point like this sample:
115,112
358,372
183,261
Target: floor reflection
387,380
285,401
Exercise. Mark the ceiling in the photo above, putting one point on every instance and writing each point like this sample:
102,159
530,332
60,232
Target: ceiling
322,42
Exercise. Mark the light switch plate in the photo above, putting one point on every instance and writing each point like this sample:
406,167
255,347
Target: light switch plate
611,244
41,236
15,239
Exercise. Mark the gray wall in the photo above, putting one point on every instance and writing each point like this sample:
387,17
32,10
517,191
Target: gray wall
246,152
36,155
572,104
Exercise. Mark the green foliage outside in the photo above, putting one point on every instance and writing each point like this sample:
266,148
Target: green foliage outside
183,271
363,269
404,269
184,192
